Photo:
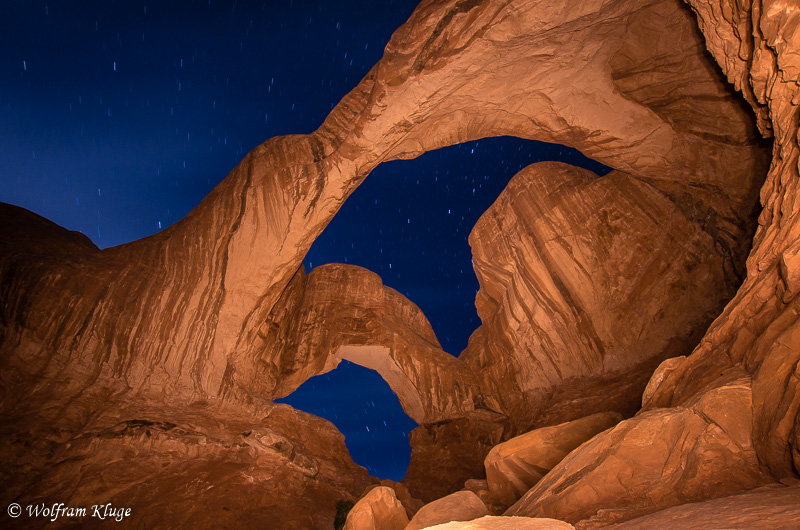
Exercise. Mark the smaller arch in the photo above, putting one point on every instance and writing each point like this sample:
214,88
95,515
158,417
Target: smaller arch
362,405
378,358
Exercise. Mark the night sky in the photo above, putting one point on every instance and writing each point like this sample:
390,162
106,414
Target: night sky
118,117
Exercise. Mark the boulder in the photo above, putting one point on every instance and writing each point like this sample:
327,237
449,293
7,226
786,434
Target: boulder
411,504
379,509
460,506
514,466
658,459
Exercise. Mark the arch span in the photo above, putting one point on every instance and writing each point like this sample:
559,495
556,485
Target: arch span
345,312
379,358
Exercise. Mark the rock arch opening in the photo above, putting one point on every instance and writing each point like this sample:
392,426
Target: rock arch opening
409,221
363,407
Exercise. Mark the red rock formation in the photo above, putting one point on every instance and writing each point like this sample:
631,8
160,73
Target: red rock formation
515,466
377,510
446,454
197,466
584,279
775,507
460,506
90,339
657,459
759,329
345,312
629,85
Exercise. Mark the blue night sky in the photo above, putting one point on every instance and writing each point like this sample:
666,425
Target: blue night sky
118,117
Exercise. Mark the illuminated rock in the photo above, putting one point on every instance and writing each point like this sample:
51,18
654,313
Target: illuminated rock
377,510
460,506
514,466
173,335
503,523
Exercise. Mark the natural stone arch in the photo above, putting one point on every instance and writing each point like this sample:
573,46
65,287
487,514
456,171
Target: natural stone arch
456,71
345,312
378,358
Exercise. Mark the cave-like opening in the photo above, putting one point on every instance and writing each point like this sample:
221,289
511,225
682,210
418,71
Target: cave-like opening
363,407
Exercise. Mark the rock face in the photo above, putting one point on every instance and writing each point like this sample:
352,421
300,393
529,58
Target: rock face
206,286
769,507
583,278
514,466
759,329
659,458
445,454
377,510
187,467
186,335
460,506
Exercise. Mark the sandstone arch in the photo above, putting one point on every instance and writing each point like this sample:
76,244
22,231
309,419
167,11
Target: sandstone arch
378,358
626,82
345,312
206,285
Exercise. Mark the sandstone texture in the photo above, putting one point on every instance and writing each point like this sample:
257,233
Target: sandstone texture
145,372
377,510
660,458
445,454
773,507
460,506
410,504
584,277
274,467
759,330
629,86
345,312
514,466
505,523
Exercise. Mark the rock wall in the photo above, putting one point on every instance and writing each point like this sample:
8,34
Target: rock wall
178,314
757,46
585,279
742,379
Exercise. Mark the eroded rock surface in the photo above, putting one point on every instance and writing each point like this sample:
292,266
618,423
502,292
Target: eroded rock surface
624,81
345,312
377,510
582,279
515,466
659,458
188,316
445,454
460,506
759,330
198,466
775,507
